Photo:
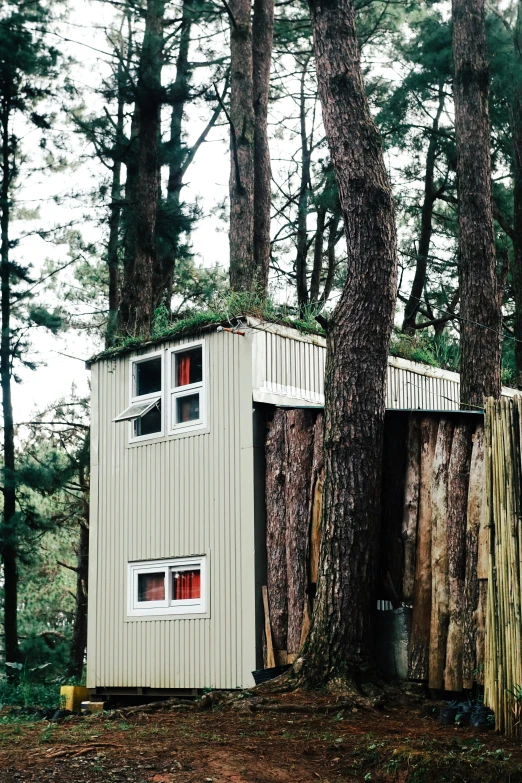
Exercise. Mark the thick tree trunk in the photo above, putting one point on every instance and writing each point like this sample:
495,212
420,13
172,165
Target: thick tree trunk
439,559
341,637
262,42
411,508
417,288
476,509
421,620
277,580
480,297
299,456
8,532
137,307
243,273
458,482
516,269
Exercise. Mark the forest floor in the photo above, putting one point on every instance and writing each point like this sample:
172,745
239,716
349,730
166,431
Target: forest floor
403,743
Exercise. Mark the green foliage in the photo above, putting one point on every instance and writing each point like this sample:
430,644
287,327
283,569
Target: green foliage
437,350
223,311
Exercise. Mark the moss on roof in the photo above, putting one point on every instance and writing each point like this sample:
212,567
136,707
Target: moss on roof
236,306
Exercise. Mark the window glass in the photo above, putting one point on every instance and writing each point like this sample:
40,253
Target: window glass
150,423
147,377
151,587
186,584
188,367
187,408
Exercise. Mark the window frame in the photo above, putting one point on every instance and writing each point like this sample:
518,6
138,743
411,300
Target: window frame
176,392
133,361
188,606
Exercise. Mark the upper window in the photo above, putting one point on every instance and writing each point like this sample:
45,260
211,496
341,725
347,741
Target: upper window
167,587
182,398
187,402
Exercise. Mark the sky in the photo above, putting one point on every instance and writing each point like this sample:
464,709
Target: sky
61,360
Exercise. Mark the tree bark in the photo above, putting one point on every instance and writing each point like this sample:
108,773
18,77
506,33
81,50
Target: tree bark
421,620
299,457
166,259
480,294
277,580
79,639
113,255
262,42
439,551
243,277
358,335
317,268
516,269
8,538
411,507
137,306
476,508
417,288
458,482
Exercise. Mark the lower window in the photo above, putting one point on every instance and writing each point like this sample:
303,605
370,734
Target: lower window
159,587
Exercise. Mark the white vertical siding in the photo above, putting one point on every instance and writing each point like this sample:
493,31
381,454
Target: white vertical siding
289,369
174,497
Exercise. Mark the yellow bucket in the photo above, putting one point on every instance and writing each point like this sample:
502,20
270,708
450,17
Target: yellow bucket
71,697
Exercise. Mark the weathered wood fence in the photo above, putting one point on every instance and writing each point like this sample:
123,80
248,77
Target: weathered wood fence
433,538
434,541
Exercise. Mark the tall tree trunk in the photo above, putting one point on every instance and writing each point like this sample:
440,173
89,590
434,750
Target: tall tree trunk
8,539
315,280
417,288
166,261
79,640
516,272
113,258
243,274
277,579
358,336
137,307
262,42
480,297
302,203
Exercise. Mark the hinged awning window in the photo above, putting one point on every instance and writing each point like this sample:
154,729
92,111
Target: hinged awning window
138,409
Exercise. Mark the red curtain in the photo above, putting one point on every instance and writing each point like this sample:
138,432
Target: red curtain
151,587
183,378
186,584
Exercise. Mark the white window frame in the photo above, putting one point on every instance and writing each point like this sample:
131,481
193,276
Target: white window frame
168,606
176,392
144,397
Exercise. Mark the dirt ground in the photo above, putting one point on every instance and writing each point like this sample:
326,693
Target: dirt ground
404,743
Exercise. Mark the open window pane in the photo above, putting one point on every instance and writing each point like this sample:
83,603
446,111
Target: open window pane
150,423
188,367
187,408
186,584
151,587
147,378
136,410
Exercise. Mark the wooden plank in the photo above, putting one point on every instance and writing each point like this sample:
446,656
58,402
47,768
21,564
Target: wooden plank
270,657
476,513
411,507
421,619
439,561
458,483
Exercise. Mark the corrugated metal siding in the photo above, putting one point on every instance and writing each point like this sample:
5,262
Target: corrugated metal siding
171,498
289,366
